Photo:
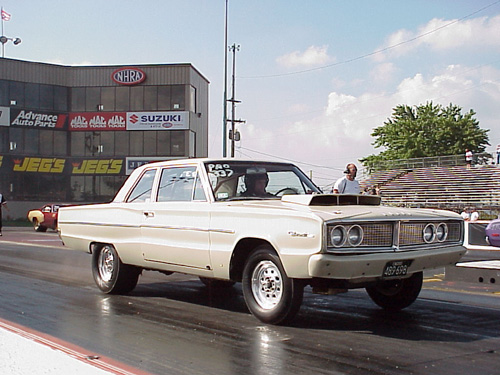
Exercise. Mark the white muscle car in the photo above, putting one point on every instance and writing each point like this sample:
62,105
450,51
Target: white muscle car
265,225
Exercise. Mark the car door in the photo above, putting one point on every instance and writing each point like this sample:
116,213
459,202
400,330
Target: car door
176,222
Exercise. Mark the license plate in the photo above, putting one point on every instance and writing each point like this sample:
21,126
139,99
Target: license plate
396,268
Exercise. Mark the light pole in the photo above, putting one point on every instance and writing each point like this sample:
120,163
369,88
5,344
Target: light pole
4,39
233,134
224,115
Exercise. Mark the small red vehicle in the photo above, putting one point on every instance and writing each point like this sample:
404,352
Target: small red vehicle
44,218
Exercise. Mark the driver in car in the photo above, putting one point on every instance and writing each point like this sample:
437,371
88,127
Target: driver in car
256,184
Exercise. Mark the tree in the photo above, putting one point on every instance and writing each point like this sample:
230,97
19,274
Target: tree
427,130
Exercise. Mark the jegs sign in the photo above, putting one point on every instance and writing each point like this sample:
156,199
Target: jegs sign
128,76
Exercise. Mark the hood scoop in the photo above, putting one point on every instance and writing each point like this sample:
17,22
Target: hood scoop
332,199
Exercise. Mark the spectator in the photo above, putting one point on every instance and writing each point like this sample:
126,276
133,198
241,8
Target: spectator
474,216
347,184
3,204
465,214
498,154
468,158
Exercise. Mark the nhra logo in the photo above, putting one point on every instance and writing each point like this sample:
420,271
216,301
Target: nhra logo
128,76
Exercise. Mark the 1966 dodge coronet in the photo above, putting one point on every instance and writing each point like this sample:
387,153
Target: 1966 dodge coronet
265,225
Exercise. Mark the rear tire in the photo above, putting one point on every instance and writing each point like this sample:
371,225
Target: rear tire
269,293
395,295
110,274
38,227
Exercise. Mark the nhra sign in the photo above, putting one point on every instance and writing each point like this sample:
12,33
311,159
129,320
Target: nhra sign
157,120
97,121
128,76
37,119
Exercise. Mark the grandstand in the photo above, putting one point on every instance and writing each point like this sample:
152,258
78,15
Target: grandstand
451,187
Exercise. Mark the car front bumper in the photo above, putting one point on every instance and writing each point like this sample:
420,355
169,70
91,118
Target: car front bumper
368,266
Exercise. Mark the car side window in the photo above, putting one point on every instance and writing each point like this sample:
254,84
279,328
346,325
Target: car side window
142,190
177,184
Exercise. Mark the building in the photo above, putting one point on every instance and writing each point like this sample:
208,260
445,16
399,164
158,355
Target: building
74,133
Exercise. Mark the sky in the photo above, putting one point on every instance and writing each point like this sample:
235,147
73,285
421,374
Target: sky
314,77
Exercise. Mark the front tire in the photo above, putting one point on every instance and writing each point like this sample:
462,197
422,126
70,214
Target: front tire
110,274
270,295
395,295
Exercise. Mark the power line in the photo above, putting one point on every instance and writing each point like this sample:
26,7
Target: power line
374,52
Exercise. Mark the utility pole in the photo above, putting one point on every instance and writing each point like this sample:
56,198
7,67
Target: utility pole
224,115
233,134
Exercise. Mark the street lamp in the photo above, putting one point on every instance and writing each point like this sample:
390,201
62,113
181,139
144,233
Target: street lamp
4,39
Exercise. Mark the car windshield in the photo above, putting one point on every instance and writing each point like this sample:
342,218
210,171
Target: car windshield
239,180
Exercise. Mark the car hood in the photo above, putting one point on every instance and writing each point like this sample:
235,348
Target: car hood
356,207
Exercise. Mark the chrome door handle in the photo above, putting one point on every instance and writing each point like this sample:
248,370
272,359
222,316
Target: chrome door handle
149,213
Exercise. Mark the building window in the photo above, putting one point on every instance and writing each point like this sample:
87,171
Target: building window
46,97
46,143
150,98
163,140
92,98
31,144
192,99
32,95
77,144
121,143
16,93
122,98
78,99
108,98
177,143
60,143
136,143
178,98
164,96
61,98
137,98
4,93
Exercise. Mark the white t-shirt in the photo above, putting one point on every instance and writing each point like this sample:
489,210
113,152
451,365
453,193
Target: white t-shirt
474,216
346,186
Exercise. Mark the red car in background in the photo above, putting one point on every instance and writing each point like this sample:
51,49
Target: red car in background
44,218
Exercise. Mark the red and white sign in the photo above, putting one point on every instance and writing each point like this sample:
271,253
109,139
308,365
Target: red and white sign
128,76
97,121
37,119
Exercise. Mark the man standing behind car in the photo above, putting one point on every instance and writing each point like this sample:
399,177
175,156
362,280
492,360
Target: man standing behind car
3,204
347,184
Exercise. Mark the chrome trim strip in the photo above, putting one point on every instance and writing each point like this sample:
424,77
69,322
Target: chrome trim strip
226,231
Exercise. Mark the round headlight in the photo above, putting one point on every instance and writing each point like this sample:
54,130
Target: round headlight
338,236
355,235
441,232
429,233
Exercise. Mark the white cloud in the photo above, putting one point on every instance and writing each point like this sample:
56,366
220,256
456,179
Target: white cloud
443,35
342,133
313,56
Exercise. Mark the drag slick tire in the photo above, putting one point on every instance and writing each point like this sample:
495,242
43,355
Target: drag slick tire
110,274
397,294
269,293
38,227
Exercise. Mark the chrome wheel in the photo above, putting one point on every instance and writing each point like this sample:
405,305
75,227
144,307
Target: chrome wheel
106,264
267,284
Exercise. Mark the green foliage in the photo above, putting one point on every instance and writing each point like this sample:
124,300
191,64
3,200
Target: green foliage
427,130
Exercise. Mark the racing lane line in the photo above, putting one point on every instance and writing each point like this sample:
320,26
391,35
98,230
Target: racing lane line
74,351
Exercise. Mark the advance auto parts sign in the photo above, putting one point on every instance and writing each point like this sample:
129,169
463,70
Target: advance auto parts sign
157,120
37,119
